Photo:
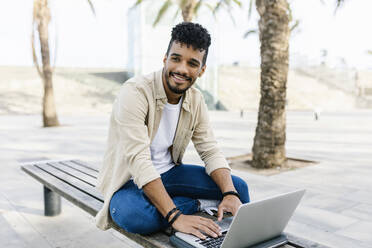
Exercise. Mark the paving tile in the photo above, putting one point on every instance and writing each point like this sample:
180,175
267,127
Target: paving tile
15,230
330,239
360,211
328,202
361,230
325,220
362,196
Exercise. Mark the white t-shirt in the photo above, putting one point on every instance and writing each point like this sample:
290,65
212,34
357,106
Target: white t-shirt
160,153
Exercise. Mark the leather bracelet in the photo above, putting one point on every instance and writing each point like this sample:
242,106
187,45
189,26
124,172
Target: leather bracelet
231,193
170,213
175,218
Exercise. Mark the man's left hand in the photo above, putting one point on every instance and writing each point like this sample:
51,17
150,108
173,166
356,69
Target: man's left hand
230,203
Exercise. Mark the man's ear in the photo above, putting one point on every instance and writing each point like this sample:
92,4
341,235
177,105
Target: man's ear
202,70
165,59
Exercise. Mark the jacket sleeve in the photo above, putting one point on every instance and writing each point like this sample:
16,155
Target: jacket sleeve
129,112
205,142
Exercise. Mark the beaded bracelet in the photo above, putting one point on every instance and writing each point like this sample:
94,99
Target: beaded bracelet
231,193
170,213
175,218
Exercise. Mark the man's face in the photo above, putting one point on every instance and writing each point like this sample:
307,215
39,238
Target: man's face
182,67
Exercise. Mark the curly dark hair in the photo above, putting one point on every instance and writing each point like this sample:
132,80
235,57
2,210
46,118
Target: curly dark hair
192,34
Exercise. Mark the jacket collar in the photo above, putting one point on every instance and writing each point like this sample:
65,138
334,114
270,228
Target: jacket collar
160,92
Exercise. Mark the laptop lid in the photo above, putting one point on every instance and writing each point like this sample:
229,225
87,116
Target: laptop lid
261,220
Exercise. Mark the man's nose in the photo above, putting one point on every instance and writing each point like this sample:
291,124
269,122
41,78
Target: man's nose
182,68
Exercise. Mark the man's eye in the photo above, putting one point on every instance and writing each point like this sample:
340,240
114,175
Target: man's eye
175,59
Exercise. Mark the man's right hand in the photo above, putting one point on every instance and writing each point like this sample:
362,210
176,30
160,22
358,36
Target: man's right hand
193,224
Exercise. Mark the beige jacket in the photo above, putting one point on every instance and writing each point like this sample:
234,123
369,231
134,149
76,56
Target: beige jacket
134,121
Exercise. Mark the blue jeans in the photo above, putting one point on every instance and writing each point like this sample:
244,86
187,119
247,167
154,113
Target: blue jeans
132,210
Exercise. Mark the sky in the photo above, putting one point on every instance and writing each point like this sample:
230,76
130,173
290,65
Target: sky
85,40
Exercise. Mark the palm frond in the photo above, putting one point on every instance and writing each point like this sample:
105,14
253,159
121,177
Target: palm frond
339,3
254,31
197,6
211,8
176,14
162,11
92,7
138,2
290,13
295,25
231,16
183,3
238,3
217,7
227,4
250,9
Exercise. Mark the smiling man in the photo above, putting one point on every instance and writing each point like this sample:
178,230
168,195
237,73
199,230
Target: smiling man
145,185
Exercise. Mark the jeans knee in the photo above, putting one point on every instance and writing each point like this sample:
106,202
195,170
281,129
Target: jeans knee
134,222
242,187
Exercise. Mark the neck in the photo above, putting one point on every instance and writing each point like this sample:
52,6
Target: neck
173,100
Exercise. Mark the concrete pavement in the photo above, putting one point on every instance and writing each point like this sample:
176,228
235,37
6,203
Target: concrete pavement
336,210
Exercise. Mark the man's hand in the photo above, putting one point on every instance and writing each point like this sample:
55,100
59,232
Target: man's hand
230,203
192,224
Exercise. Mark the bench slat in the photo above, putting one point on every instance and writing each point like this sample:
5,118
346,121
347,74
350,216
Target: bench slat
80,166
84,166
155,240
72,181
77,197
74,173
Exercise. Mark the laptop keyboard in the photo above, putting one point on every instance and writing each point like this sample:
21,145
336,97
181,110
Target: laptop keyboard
210,242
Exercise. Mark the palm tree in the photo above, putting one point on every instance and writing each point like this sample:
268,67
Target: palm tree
269,142
41,19
190,8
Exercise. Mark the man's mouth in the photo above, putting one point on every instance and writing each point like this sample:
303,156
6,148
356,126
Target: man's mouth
179,78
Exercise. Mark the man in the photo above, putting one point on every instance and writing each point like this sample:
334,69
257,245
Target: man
145,185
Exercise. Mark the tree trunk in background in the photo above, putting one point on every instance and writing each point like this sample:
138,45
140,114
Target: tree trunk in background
42,18
188,10
269,141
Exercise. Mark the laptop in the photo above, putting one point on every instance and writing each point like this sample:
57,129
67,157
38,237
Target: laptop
256,224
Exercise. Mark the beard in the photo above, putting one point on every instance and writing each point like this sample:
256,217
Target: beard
175,89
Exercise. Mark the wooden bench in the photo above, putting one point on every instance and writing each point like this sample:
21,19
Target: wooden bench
75,180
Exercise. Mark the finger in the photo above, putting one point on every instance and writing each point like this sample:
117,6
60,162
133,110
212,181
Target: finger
207,230
198,234
212,225
220,213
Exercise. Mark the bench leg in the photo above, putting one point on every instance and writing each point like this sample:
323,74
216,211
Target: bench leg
52,203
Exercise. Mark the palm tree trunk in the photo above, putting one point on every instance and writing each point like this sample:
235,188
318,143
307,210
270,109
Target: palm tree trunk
188,10
42,17
269,142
